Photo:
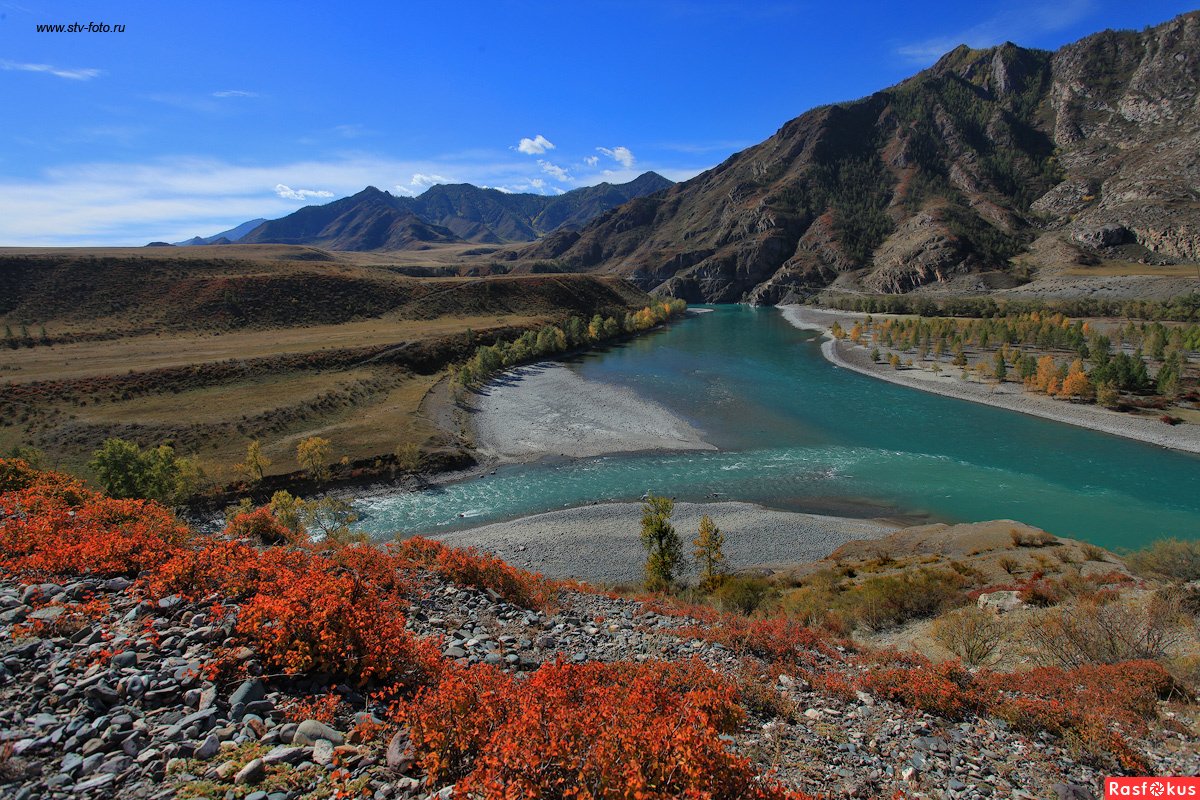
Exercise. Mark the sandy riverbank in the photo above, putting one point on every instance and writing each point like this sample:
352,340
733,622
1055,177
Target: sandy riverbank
599,543
547,409
1011,396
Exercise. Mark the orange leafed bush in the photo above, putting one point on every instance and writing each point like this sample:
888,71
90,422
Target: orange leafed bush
469,567
619,731
776,639
1092,706
58,528
311,620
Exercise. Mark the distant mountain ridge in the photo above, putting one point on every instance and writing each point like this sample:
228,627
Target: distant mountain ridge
377,220
230,236
1061,158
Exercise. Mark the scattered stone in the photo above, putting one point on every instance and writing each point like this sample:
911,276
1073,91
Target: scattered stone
310,731
252,773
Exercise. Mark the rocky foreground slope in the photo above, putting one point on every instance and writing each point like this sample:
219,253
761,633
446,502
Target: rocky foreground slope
1069,158
159,663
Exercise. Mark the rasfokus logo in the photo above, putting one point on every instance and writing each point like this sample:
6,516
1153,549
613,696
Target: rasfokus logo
1151,787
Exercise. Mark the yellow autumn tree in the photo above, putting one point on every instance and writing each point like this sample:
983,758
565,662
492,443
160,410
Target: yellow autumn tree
1076,385
312,455
255,464
1046,379
709,555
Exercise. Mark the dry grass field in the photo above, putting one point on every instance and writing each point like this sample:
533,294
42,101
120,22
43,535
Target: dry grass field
209,348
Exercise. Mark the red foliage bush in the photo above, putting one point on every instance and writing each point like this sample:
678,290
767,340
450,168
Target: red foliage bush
469,567
777,639
1092,707
587,731
57,528
310,620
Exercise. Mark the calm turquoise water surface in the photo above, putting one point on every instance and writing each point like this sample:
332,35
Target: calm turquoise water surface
797,433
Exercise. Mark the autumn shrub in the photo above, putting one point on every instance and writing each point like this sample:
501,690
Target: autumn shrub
974,635
1105,630
323,708
1094,707
1174,559
315,621
943,689
758,694
594,730
470,567
889,600
451,724
775,639
742,594
56,528
260,527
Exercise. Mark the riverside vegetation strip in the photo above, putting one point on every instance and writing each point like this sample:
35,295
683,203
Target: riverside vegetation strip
1169,417
178,664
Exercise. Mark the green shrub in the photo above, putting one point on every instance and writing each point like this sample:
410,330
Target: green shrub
891,600
742,594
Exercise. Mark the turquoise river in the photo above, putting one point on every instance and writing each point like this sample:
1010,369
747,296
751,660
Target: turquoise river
796,433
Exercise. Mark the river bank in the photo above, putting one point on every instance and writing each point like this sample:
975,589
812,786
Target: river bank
600,544
1011,396
546,409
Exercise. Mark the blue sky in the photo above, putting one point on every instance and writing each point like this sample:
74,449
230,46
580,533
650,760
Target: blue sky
200,116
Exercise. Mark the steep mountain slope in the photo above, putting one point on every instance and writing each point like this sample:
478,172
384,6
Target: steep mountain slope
937,182
377,220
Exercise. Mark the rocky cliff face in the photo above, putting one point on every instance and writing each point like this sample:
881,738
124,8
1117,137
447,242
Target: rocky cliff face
938,182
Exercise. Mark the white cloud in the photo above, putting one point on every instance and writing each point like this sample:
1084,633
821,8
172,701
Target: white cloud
537,183
554,171
234,93
425,181
535,146
1016,23
288,193
60,72
591,161
622,155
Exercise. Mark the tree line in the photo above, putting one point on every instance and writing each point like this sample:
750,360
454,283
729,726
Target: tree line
1184,308
550,340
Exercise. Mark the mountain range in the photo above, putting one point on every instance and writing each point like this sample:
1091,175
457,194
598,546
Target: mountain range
989,164
224,237
377,220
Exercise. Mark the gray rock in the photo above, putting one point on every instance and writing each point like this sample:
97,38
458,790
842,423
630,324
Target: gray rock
252,773
311,731
399,754
47,614
248,692
286,754
208,748
322,752
124,659
97,782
